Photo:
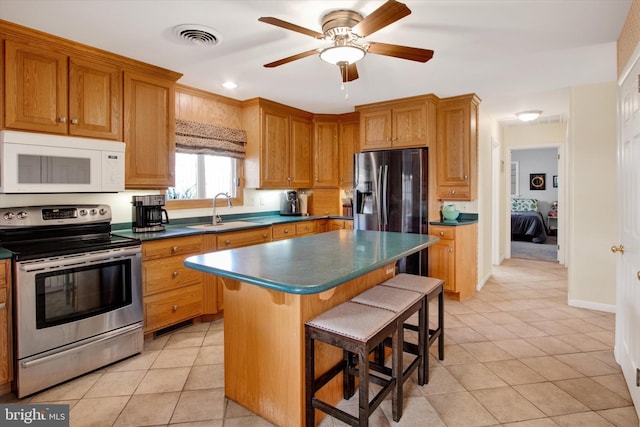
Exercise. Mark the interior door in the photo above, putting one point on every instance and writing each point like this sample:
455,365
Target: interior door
627,348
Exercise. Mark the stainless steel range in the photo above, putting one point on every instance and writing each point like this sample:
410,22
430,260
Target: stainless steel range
77,292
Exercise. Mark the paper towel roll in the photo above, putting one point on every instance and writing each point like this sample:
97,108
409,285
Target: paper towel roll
303,203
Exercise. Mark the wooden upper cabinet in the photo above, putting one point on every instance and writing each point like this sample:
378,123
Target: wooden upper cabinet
48,91
35,88
300,151
349,142
398,124
95,99
457,151
149,131
279,145
326,165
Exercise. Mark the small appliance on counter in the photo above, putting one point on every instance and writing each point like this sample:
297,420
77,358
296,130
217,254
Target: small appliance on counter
290,203
149,213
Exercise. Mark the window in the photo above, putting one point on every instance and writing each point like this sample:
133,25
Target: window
202,176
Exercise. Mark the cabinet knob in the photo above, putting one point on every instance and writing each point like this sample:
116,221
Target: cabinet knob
450,250
62,119
264,235
442,233
174,249
175,308
453,191
74,121
286,231
466,177
175,274
3,305
227,242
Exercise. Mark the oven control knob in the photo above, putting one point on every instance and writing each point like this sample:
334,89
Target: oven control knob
93,212
9,215
83,212
103,211
22,215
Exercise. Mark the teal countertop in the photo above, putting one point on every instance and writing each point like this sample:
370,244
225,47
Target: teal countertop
463,219
4,254
311,264
180,227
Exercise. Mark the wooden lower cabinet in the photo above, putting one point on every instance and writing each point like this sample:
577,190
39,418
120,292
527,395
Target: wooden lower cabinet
171,292
214,285
6,352
340,224
293,229
454,259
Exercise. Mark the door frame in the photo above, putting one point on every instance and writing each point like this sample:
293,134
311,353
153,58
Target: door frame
562,198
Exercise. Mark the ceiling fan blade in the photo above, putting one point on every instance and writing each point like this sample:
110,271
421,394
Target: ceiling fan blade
386,14
349,72
403,52
291,58
289,26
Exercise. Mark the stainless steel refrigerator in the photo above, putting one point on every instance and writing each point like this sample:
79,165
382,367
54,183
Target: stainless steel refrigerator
391,194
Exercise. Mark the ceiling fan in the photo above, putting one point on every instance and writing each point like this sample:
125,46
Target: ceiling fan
346,29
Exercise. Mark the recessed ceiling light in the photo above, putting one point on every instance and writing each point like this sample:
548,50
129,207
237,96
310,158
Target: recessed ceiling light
229,85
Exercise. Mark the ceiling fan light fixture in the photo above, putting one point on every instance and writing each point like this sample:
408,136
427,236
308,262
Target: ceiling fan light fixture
348,53
530,115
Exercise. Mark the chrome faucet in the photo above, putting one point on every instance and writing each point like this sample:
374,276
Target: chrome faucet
216,219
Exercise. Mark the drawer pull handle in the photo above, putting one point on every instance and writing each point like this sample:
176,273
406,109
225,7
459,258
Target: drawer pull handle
62,119
453,191
227,242
450,250
175,308
74,121
174,249
286,231
264,236
442,233
2,306
175,274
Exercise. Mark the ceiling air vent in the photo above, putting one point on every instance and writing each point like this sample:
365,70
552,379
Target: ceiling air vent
197,34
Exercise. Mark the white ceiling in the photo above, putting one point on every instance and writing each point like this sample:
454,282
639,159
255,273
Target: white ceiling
515,54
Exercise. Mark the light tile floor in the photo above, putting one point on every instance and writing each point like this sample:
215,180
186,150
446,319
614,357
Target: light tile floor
516,355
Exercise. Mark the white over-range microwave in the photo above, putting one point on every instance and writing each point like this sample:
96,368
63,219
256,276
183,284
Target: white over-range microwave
43,163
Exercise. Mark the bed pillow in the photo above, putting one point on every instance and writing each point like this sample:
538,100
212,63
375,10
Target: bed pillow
524,205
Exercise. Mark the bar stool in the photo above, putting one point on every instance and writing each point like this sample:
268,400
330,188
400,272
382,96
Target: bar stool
405,304
430,287
357,329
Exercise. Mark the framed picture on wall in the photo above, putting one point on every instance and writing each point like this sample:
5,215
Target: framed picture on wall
537,181
555,181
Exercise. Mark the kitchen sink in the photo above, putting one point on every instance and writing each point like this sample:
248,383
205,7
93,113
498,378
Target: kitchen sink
225,225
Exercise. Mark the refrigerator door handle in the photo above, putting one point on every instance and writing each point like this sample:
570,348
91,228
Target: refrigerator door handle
385,198
379,201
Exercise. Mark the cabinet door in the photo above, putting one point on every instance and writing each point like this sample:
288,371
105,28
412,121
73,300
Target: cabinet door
457,150
442,263
149,131
326,155
35,88
301,152
375,129
95,99
410,126
349,138
274,152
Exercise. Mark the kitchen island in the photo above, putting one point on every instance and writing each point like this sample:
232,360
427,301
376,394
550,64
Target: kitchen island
272,289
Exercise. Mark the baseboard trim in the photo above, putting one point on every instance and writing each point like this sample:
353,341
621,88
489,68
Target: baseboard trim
609,308
483,282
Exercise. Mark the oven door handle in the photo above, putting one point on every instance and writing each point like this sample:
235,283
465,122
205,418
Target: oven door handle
85,343
80,259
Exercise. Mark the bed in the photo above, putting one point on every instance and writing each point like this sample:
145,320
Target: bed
527,223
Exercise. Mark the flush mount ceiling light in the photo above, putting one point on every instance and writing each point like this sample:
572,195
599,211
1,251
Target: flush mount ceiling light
527,116
229,85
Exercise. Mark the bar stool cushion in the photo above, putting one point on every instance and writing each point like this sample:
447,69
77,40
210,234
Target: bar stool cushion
356,321
396,300
422,284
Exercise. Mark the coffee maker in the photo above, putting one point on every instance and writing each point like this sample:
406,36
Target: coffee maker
289,203
148,213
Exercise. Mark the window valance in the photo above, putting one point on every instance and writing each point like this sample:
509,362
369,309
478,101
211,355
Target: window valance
202,138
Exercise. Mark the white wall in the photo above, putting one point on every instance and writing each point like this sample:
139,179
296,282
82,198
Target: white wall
592,196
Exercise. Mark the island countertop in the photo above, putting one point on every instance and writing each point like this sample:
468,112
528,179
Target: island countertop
311,264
